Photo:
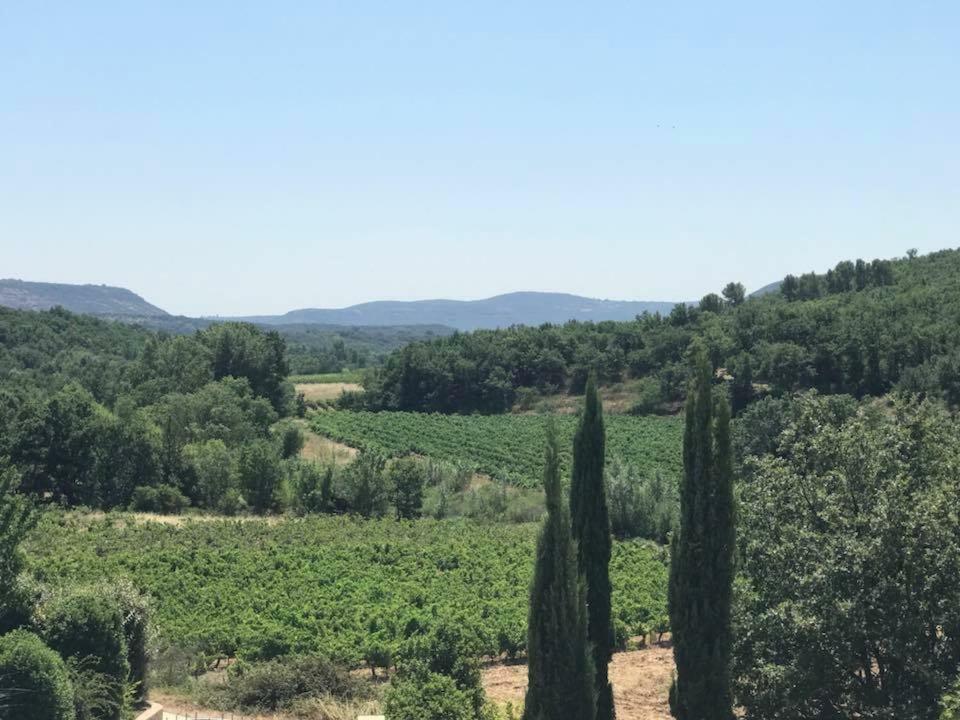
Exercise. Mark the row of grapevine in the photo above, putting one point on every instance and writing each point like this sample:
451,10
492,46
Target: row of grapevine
327,585
506,447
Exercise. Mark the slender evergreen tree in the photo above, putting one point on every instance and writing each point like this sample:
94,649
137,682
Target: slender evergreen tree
591,531
701,566
560,669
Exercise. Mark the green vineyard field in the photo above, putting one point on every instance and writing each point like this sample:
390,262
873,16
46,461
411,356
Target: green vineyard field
326,585
506,447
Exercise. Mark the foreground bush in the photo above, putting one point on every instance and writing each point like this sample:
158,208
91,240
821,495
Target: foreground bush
276,684
428,696
87,628
37,678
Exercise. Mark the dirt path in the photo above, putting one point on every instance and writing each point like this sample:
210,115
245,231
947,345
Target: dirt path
641,681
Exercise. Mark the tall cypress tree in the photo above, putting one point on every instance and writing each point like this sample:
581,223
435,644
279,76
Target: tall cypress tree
701,564
591,531
560,669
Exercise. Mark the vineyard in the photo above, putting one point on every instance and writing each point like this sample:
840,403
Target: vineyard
335,586
506,447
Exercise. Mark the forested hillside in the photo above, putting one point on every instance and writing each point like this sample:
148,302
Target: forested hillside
862,328
104,414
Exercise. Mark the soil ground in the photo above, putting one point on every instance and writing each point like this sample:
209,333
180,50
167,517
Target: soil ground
641,682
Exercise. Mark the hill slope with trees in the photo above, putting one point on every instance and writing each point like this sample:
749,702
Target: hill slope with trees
861,328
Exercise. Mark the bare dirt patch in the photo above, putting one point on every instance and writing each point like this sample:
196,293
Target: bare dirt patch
641,683
324,392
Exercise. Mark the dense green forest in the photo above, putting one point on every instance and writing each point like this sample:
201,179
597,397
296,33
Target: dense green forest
103,414
861,328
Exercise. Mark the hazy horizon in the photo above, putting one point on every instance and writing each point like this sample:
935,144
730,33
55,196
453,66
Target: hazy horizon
232,160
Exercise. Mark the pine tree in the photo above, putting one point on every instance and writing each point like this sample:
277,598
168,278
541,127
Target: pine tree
701,567
591,531
560,669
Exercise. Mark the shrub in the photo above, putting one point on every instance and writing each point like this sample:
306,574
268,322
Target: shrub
89,624
261,476
163,499
275,684
37,678
290,438
445,649
406,479
365,485
427,696
135,610
212,466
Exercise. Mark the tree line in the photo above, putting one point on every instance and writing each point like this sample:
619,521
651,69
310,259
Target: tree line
862,328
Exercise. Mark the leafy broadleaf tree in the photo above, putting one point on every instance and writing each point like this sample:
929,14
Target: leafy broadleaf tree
560,667
590,524
701,566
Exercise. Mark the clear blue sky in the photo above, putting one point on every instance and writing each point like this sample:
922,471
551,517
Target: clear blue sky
241,157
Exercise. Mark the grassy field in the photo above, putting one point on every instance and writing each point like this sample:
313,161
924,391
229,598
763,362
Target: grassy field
351,377
506,447
328,585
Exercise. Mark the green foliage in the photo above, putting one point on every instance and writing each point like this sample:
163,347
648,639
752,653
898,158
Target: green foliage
645,507
503,446
35,678
561,681
212,466
87,626
406,480
449,650
950,706
701,567
276,684
427,696
248,579
862,328
849,597
366,488
290,437
311,487
261,476
16,520
90,410
163,499
590,529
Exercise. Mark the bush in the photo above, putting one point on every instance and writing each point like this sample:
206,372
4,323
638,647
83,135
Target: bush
135,609
445,649
427,696
274,685
311,487
261,476
37,678
406,480
87,626
212,466
290,438
163,499
365,485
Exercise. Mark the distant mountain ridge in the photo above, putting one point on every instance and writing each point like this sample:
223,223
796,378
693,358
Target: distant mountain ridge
517,308
102,300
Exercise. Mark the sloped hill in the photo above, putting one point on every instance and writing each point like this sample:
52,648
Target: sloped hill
81,299
519,308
